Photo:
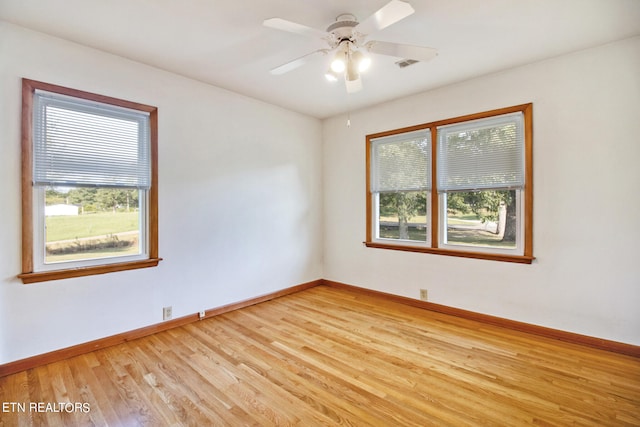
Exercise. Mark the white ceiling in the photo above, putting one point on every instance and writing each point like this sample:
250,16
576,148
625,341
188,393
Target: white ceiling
223,42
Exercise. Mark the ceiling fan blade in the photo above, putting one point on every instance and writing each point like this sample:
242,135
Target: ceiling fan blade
353,86
291,65
292,27
418,53
389,14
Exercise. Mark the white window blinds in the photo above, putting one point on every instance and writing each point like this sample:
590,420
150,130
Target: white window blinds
401,162
482,154
78,142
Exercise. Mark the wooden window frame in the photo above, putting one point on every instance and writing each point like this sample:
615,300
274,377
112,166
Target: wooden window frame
28,274
527,193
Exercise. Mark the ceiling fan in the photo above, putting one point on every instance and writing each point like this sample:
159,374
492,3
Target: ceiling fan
348,37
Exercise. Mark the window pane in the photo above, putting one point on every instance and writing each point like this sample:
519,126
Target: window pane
482,219
403,216
90,223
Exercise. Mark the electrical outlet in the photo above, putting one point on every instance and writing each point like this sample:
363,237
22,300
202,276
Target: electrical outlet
423,295
202,314
167,312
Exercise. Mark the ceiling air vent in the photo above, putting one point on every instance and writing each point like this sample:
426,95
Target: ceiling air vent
404,63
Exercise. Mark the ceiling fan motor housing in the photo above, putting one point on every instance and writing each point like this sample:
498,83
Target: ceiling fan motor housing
342,29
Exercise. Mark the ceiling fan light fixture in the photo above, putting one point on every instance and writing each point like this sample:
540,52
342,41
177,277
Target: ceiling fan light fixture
351,73
339,63
364,64
361,61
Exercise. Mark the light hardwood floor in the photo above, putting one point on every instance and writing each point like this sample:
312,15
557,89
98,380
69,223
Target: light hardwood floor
329,356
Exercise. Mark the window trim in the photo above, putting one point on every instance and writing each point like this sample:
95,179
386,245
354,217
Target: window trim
527,193
28,275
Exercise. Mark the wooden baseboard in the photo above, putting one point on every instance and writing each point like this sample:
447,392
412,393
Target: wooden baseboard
76,350
599,343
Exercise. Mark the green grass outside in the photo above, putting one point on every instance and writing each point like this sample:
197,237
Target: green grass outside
464,217
67,232
90,225
413,220
415,234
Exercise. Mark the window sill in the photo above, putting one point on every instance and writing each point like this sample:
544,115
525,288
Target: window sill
44,276
521,259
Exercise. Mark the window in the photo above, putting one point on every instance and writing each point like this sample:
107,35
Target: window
401,184
460,187
89,184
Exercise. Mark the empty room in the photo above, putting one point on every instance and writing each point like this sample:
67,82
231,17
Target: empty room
281,212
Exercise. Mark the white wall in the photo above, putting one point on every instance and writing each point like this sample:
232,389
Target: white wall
586,278
240,201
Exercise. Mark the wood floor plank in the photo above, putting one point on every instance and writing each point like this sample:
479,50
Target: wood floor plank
328,356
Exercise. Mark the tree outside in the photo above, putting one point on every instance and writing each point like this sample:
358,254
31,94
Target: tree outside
403,215
494,209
